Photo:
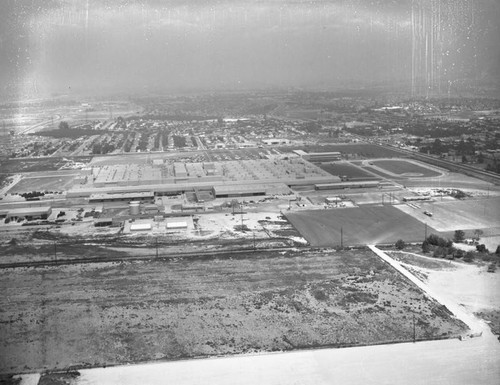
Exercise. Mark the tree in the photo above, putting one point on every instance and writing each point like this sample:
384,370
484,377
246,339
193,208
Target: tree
400,244
477,234
426,247
63,125
459,236
497,252
437,147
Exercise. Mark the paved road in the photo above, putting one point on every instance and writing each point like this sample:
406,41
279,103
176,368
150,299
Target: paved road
475,361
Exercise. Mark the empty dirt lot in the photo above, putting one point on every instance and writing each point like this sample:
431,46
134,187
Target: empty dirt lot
102,314
360,225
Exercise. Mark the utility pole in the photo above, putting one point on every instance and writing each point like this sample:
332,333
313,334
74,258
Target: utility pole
414,331
253,232
425,232
341,238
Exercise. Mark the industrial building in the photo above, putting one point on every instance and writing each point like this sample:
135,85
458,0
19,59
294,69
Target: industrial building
223,178
122,197
323,156
342,185
30,213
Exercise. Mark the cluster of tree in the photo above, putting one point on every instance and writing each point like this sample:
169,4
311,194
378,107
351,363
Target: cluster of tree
179,141
173,118
65,131
437,129
493,167
103,148
443,248
32,195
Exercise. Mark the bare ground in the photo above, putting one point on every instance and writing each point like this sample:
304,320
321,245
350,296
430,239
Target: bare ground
110,313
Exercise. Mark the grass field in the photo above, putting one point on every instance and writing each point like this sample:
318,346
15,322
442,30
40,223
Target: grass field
103,314
13,166
402,167
361,149
360,226
343,168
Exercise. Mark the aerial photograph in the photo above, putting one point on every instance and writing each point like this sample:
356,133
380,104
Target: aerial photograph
240,192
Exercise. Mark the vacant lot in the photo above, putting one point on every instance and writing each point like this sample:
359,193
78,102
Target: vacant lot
350,171
464,215
404,168
44,183
13,166
101,314
360,226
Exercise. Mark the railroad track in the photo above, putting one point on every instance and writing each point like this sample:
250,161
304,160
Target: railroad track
149,257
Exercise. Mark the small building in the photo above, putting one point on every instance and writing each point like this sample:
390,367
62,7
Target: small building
103,222
140,227
331,200
151,209
176,225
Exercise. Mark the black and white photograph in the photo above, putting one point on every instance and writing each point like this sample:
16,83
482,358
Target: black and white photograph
249,192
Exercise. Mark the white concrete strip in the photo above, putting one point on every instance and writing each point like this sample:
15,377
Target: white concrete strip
28,379
476,326
475,361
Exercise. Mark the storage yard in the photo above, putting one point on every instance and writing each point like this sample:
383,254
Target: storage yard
104,314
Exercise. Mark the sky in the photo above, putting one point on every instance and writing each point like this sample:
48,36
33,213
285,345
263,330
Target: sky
63,46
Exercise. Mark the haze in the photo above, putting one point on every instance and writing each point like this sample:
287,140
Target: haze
128,46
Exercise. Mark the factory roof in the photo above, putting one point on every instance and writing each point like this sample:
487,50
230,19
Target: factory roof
30,211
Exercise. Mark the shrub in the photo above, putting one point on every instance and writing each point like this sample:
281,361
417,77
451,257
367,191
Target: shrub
400,244
469,256
481,248
426,247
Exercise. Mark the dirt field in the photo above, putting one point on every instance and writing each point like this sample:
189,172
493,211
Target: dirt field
360,225
101,314
468,214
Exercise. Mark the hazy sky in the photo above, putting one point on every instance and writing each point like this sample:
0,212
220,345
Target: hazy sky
62,45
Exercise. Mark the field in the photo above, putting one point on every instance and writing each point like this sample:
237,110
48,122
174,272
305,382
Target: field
360,226
405,168
13,166
344,168
44,183
460,215
103,314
